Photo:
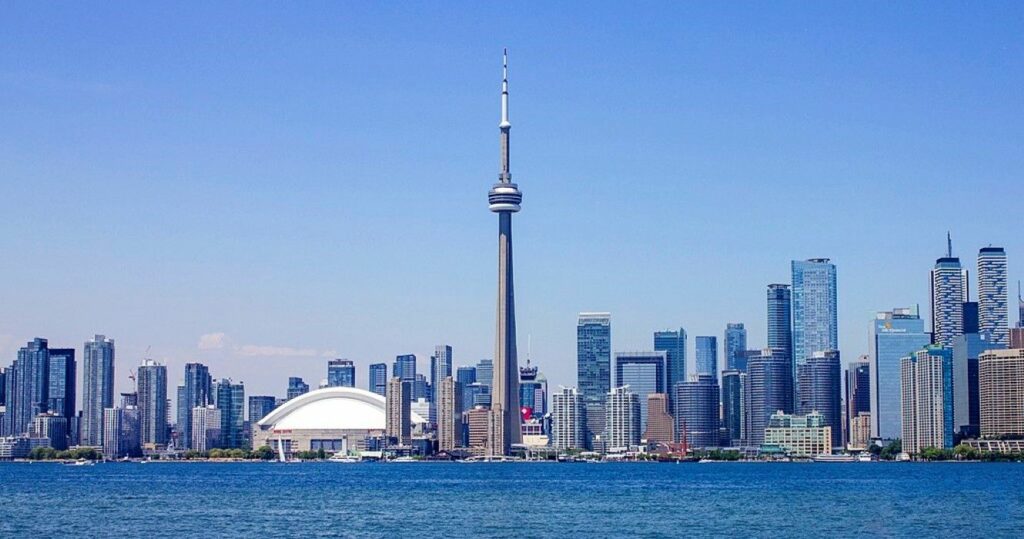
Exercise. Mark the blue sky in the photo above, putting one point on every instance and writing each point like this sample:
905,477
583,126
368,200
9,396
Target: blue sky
297,183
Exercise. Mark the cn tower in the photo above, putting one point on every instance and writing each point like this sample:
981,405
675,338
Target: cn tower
504,199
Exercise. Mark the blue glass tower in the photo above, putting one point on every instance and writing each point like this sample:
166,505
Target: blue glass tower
405,368
341,373
260,406
97,388
735,347
815,317
673,343
378,378
197,391
894,334
593,369
780,332
464,377
707,356
644,373
696,412
61,392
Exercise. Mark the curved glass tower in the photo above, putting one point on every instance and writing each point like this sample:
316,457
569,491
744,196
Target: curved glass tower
504,199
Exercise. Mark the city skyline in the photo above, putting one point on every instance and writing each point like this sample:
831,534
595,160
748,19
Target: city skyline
263,257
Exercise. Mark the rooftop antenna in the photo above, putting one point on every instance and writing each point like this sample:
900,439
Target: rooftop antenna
949,245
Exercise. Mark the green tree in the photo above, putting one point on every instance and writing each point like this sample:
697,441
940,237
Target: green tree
263,453
891,449
965,452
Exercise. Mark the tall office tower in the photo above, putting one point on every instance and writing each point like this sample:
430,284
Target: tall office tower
440,367
815,314
485,372
399,413
97,388
1001,378
820,382
296,387
623,418
449,413
926,399
378,379
948,294
894,334
465,376
707,356
770,390
967,350
260,406
970,324
673,343
696,412
568,419
504,199
206,424
52,426
735,347
858,395
152,387
27,387
732,404
62,381
405,368
533,391
231,403
780,330
196,391
660,425
593,369
341,373
993,313
644,373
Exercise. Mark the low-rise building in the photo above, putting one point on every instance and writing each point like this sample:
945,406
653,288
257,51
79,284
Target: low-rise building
799,435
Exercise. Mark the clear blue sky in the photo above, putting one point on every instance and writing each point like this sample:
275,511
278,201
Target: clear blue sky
312,182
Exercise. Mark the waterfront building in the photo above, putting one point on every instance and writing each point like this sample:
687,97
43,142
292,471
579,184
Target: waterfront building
993,313
660,425
478,422
593,370
858,395
1001,395
799,435
696,412
770,390
948,294
28,384
296,387
623,419
780,330
206,427
568,419
815,312
644,373
405,368
733,381
926,379
449,413
967,349
735,346
260,406
231,403
53,427
61,392
341,373
152,388
121,432
97,388
820,382
673,343
378,378
399,411
860,432
196,391
707,355
440,368
894,334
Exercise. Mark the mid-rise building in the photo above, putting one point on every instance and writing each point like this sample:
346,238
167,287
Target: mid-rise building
568,418
399,411
733,382
478,422
1001,380
673,343
860,431
707,355
949,291
926,378
993,313
799,435
341,373
152,389
53,427
593,370
696,412
449,413
378,379
894,335
623,419
820,390
967,348
769,390
660,425
97,388
735,346
206,428
644,373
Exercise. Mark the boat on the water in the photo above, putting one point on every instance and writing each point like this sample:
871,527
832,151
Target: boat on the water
834,458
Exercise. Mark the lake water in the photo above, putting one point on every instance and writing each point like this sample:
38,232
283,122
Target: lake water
184,500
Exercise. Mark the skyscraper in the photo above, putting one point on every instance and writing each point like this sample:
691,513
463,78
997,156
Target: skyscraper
341,373
405,368
465,376
673,343
707,356
399,412
196,392
815,314
504,199
61,392
926,398
894,334
735,347
260,406
770,389
28,387
440,368
780,330
152,387
623,418
485,372
231,403
568,419
449,413
593,369
948,294
858,394
1001,376
206,424
296,387
733,381
993,315
696,412
820,380
644,373
97,388
378,379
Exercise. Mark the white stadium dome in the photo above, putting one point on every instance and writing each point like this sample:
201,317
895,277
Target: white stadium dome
331,408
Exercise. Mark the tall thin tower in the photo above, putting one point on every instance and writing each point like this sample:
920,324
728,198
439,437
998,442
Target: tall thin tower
504,199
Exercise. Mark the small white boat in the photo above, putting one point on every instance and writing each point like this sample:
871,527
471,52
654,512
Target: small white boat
344,459
834,458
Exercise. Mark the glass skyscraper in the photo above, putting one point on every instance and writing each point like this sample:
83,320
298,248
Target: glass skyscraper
967,350
815,317
260,406
296,387
820,382
341,373
195,392
733,381
858,392
707,356
735,347
97,388
673,343
152,386
231,403
405,368
644,373
440,368
378,379
993,312
780,332
696,412
464,376
61,391
28,386
593,369
894,334
769,390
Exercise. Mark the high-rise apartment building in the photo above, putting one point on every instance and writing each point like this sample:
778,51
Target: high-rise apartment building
644,373
735,346
967,350
195,392
231,403
949,291
97,388
568,418
53,427
152,388
780,330
673,343
341,373
260,406
1001,379
707,355
449,413
993,313
660,425
61,392
593,370
28,386
733,382
894,335
378,378
820,383
696,412
440,368
405,368
769,390
815,312
926,379
399,413
623,419
206,428
296,387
